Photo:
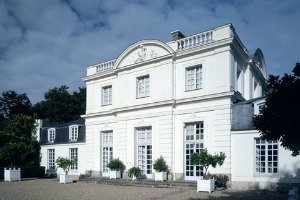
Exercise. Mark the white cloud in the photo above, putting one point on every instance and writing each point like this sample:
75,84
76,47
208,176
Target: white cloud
48,43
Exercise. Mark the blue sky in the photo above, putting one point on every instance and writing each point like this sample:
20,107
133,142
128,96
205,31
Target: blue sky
44,44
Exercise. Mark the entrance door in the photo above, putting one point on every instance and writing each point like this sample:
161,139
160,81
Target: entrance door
193,144
106,151
144,151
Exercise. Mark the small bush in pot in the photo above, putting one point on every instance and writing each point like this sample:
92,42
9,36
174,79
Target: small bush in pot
206,160
116,166
65,164
161,167
134,172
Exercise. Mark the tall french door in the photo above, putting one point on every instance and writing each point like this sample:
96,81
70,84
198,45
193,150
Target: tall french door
193,134
106,151
144,150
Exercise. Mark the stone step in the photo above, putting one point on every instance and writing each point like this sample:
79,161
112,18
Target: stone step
141,182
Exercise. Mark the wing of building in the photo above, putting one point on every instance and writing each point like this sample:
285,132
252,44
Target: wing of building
172,99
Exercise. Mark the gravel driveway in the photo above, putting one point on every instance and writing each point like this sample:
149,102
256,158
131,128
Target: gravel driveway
52,189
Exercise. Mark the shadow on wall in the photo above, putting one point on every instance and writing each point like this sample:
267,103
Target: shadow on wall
288,180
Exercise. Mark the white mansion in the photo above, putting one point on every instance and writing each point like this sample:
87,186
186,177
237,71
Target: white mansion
172,99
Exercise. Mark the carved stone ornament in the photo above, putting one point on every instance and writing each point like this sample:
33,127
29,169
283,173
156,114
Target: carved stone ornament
144,54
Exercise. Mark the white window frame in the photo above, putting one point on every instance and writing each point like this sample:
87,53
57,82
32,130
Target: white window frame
193,78
73,132
144,149
143,86
258,105
107,95
51,135
51,158
259,163
73,154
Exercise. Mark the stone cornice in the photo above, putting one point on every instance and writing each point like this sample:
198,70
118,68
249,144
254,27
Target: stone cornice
172,103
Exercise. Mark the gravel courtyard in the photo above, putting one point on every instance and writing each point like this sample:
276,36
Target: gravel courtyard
52,189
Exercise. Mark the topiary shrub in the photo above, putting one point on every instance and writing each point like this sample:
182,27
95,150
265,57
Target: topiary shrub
64,163
134,171
116,165
206,160
160,165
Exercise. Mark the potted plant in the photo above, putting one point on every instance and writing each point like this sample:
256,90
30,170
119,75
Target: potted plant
115,166
65,163
206,160
134,172
161,167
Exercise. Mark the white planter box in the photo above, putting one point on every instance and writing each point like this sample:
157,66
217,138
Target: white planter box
12,174
114,174
133,177
206,185
160,176
63,178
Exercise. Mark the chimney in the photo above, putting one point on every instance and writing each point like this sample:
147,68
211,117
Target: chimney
177,35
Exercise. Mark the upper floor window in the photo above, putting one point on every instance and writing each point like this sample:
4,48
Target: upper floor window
51,135
107,95
193,78
73,133
266,153
143,86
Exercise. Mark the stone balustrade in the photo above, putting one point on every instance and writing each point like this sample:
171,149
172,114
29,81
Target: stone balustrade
195,40
106,66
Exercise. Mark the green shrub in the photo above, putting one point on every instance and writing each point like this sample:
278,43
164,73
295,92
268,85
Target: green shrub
64,163
160,165
205,159
220,179
116,165
32,172
134,171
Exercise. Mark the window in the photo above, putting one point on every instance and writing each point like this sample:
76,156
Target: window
107,95
73,133
193,78
51,158
194,133
107,150
266,156
51,135
74,157
144,150
143,86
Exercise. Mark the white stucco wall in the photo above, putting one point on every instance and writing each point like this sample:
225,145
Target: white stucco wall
243,162
62,150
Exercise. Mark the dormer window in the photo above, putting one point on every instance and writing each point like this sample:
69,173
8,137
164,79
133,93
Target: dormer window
73,133
51,135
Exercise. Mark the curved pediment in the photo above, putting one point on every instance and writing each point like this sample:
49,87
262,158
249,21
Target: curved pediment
258,58
143,51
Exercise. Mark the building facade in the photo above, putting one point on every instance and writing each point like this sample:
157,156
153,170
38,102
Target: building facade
172,99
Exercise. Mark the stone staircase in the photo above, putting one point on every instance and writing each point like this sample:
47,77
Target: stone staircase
141,182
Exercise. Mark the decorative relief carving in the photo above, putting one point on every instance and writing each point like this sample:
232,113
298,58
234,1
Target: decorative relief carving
143,54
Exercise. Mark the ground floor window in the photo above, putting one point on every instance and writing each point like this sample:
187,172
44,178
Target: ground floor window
144,149
106,150
266,156
51,158
193,134
74,157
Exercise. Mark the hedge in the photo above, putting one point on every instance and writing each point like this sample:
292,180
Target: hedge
27,172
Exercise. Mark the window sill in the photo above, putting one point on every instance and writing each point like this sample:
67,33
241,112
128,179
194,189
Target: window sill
103,105
142,97
193,90
267,175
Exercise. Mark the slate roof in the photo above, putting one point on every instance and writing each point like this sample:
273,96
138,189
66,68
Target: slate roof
62,132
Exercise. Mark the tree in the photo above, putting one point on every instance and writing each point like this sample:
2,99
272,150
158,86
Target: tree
65,163
12,103
17,146
206,160
279,118
61,106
